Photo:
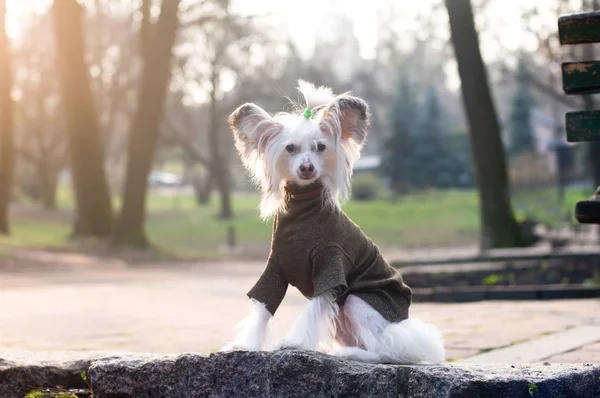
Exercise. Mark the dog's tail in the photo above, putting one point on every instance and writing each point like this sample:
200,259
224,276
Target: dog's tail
315,96
411,341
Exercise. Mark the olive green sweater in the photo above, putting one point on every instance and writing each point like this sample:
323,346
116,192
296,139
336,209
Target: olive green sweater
318,249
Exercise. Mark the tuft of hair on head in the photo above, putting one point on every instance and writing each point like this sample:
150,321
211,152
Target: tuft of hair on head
315,96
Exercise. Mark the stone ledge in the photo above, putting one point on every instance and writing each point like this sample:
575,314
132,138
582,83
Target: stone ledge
504,293
282,374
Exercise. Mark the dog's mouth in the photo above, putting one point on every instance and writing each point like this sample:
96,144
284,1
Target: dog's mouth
306,176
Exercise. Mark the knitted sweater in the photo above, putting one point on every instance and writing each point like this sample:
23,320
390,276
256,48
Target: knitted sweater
319,249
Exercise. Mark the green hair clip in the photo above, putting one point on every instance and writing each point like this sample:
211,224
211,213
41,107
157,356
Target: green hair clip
307,113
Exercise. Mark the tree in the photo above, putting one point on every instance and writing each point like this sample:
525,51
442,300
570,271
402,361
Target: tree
7,152
40,134
429,152
40,140
396,156
457,167
522,139
499,227
157,40
184,127
113,41
218,160
229,43
94,211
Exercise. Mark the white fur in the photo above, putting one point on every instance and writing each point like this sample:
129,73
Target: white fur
315,96
376,340
316,326
252,331
341,124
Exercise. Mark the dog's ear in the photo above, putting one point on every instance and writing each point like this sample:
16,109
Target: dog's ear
252,128
347,118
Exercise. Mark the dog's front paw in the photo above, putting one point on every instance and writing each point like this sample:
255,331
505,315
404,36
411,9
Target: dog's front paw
285,344
235,346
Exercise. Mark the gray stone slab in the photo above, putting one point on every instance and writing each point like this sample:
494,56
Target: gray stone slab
288,374
541,348
24,371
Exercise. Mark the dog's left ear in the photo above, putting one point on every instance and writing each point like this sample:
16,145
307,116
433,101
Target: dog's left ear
252,128
347,117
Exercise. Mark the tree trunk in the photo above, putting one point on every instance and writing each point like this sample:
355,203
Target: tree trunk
499,227
219,167
49,194
223,182
200,182
593,148
594,159
129,229
7,150
48,180
204,195
202,188
94,212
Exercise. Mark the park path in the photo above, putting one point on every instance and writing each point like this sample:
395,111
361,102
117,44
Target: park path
87,304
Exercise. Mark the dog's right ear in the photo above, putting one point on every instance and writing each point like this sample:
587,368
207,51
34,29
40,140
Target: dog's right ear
252,128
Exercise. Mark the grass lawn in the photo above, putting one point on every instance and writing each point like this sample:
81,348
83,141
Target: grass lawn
176,225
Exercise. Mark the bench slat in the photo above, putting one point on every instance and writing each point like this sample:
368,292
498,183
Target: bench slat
588,212
583,126
579,28
581,77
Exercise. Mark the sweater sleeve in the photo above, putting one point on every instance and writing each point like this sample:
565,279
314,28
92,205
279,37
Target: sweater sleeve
270,288
330,266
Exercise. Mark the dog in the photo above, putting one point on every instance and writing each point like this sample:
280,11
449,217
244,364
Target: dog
303,162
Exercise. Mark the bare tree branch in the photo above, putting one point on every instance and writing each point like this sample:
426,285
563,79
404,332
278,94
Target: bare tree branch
182,139
26,154
544,88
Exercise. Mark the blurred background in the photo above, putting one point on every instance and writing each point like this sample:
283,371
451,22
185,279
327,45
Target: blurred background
114,129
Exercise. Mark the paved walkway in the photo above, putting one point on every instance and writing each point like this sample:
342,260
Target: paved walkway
86,305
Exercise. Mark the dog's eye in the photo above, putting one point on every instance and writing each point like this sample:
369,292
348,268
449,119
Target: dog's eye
290,148
321,147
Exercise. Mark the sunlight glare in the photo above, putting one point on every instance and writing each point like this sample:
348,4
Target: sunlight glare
17,12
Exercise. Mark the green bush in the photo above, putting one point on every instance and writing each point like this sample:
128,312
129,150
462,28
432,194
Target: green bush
492,280
367,187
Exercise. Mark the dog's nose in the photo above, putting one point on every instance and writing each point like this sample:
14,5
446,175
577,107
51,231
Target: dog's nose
307,167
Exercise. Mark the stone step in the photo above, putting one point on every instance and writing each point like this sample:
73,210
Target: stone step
284,374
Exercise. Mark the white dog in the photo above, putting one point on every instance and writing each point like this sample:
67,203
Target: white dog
358,304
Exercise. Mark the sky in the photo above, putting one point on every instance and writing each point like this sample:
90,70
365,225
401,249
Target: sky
303,19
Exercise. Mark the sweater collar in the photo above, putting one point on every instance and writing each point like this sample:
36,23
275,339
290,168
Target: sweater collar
294,191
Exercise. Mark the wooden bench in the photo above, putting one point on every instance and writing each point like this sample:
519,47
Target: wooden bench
581,78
